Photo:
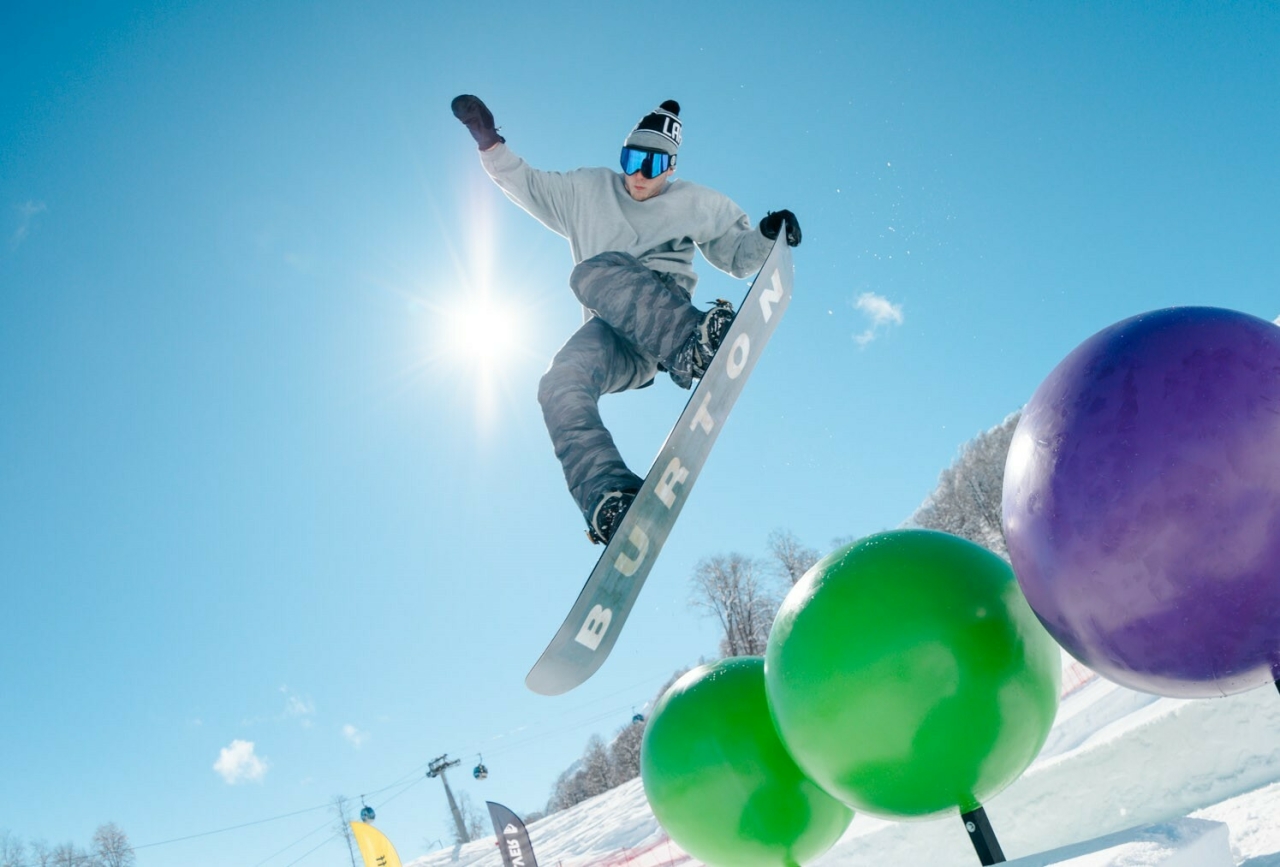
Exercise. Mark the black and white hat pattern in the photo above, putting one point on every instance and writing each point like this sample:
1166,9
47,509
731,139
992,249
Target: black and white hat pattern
659,130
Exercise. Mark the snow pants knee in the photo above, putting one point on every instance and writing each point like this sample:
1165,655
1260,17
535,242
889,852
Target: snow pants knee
641,319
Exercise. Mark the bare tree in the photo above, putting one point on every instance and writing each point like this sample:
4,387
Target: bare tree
339,804
41,854
13,852
67,855
476,822
968,499
791,558
111,847
726,587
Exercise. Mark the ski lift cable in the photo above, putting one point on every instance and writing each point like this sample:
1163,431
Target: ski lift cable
243,825
401,792
412,782
413,777
583,723
557,730
310,833
317,847
231,828
603,715
331,837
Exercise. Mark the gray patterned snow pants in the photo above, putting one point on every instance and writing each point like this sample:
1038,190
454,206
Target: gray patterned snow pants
642,317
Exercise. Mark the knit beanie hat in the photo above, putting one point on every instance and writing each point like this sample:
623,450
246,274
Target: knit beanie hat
659,130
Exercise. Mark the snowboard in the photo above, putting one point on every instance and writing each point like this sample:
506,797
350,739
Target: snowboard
590,631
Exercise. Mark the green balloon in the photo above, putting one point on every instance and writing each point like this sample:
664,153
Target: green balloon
908,676
720,781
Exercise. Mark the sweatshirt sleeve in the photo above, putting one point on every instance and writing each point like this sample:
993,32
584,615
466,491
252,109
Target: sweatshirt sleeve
547,196
735,247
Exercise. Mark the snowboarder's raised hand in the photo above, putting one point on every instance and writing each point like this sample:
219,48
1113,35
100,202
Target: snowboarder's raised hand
478,120
772,224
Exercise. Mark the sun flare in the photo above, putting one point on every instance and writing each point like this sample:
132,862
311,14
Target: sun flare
481,335
477,350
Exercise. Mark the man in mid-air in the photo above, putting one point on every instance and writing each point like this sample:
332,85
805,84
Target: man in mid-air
632,235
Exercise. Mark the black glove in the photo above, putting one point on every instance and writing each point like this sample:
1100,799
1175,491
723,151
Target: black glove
772,224
478,120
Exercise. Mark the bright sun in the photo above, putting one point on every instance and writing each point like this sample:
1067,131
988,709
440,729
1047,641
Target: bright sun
481,335
479,346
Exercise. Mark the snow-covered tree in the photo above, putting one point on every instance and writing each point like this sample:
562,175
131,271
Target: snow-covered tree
727,588
598,773
967,500
790,557
624,752
600,769
676,675
569,789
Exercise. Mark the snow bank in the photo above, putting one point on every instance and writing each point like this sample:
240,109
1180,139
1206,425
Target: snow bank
1185,843
592,832
1115,759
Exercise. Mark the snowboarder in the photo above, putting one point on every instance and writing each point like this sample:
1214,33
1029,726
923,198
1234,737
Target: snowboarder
632,235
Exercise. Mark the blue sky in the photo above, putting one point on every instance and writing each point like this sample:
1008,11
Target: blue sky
252,491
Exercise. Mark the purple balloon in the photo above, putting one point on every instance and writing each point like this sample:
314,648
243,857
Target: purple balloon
1142,502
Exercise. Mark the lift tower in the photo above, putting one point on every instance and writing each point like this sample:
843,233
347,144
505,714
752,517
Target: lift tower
437,769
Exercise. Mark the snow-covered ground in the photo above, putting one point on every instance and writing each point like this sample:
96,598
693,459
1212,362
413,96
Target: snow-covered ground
1115,760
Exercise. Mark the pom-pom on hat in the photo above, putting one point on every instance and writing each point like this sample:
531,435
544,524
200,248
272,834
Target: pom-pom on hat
659,130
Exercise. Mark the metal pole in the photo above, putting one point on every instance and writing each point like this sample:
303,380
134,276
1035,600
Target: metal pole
437,769
457,814
982,836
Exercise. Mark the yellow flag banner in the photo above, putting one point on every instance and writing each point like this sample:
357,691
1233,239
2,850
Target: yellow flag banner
374,846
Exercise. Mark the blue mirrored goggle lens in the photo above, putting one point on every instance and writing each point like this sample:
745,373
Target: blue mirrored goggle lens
632,160
649,163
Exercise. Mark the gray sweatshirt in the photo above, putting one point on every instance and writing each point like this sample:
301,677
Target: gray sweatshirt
593,210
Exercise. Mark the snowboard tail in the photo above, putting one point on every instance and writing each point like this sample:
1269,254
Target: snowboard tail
590,631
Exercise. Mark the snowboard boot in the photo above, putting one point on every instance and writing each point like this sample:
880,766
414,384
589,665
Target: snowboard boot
607,515
694,357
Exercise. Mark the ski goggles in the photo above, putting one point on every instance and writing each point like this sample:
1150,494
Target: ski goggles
648,163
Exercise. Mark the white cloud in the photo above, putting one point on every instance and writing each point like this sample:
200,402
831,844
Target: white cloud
27,212
238,763
297,707
882,312
354,735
